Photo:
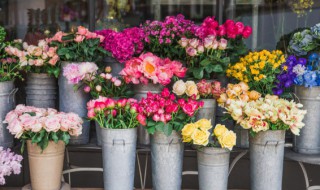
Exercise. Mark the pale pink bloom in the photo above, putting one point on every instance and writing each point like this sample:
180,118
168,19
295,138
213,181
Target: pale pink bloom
75,130
184,42
25,45
98,88
72,73
74,118
91,35
191,51
194,42
57,37
164,75
200,49
113,79
37,51
108,76
52,124
90,104
149,64
91,114
65,124
42,43
52,51
117,82
27,121
208,42
31,62
15,128
101,38
79,38
12,115
87,89
31,49
82,30
36,127
215,44
38,62
52,111
223,44
44,56
53,61
103,75
87,69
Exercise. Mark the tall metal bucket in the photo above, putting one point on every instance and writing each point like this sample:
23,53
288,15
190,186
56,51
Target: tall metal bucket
308,142
114,64
213,164
166,161
7,97
141,91
266,160
119,157
41,90
208,111
74,101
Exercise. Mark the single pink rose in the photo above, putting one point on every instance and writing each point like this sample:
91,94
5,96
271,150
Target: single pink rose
15,128
247,31
75,130
240,27
90,105
52,124
52,51
191,51
117,82
79,38
184,42
142,119
82,30
91,35
37,126
122,102
223,44
12,115
194,42
91,114
38,62
87,89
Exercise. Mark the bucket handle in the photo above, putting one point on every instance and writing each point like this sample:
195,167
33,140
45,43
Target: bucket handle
115,140
272,143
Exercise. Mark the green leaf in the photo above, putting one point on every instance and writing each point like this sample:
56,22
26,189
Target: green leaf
54,137
65,138
151,123
62,51
151,130
217,68
159,126
198,73
205,62
167,129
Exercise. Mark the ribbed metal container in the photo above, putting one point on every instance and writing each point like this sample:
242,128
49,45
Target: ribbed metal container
208,111
7,97
119,157
141,91
213,168
266,160
308,142
114,64
41,90
166,161
74,101
242,137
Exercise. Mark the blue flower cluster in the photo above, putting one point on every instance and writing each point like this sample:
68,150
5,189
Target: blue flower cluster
303,42
299,71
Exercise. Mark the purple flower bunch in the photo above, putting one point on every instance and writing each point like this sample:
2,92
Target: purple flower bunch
9,163
292,68
123,45
172,28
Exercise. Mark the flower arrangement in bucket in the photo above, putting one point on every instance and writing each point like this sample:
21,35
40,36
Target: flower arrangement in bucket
151,68
41,125
80,45
94,81
38,59
164,112
259,70
123,45
9,59
9,163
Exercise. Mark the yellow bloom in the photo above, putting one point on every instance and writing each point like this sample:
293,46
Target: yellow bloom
254,95
227,140
191,88
219,130
200,137
204,124
188,130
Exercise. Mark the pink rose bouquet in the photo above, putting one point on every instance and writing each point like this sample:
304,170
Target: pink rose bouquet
149,67
205,57
78,46
161,37
123,45
75,73
9,60
268,113
114,114
9,163
164,112
42,125
202,89
38,59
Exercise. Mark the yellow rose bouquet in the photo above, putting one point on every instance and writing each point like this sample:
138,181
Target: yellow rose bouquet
198,134
258,69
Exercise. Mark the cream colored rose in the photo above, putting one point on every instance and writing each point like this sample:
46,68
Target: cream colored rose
188,130
244,86
228,140
179,88
219,130
200,137
204,124
192,88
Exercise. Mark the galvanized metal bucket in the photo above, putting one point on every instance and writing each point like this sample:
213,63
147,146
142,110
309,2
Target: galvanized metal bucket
141,91
242,137
115,65
119,157
308,142
208,111
98,133
41,90
167,161
7,97
266,160
213,168
74,101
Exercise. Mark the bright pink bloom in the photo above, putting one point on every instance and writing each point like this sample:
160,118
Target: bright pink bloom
142,119
247,31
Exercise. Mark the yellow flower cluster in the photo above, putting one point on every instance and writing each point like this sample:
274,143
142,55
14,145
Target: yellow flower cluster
198,134
256,65
300,7
226,138
238,91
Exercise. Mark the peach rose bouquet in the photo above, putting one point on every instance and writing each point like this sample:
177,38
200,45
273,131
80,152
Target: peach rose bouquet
198,134
80,45
37,59
42,125
151,68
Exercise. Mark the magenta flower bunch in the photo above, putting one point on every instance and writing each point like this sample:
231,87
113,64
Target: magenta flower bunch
9,163
123,45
